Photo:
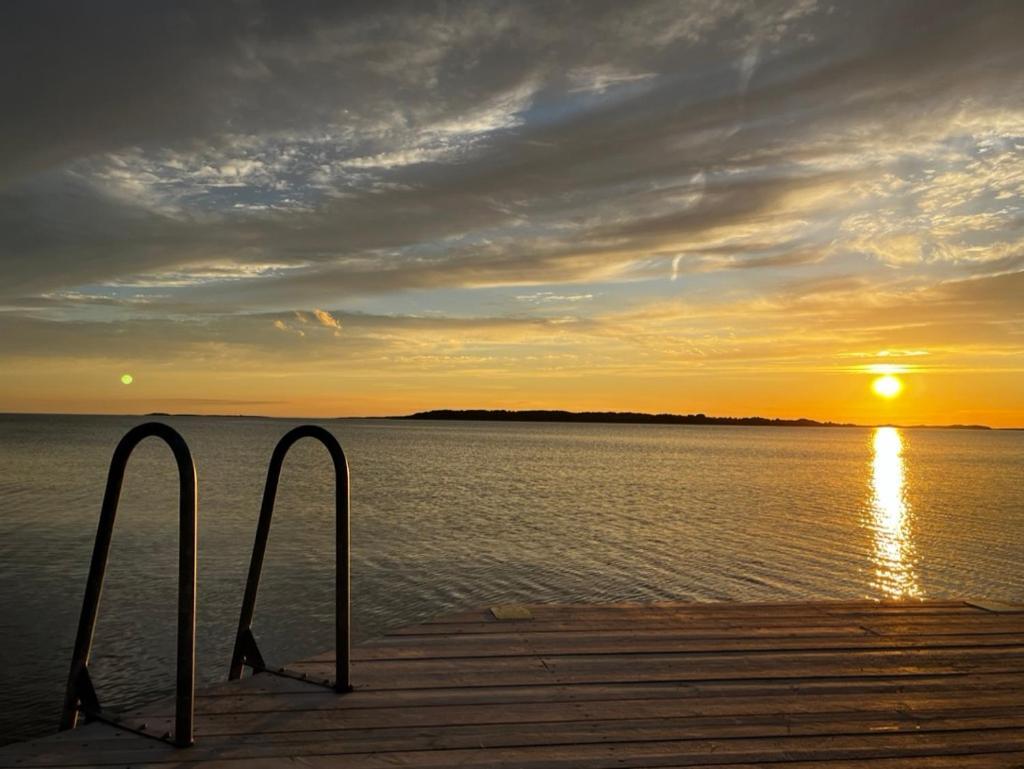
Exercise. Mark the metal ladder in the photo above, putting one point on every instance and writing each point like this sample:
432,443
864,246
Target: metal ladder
246,651
80,695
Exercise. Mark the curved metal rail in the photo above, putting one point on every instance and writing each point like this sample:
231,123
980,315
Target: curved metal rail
80,695
246,651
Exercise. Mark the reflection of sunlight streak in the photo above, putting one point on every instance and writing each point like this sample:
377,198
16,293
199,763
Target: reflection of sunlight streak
890,519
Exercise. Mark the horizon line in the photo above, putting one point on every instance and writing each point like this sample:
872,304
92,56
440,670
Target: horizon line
813,422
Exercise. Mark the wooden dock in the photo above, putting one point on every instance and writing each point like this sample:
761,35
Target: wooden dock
891,685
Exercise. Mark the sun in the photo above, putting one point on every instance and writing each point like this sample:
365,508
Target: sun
887,386
127,379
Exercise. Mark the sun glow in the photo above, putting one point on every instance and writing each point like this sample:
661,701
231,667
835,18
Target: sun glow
887,386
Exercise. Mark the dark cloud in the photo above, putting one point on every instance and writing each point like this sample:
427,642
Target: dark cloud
81,78
250,157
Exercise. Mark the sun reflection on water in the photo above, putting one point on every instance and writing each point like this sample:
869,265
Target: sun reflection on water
890,517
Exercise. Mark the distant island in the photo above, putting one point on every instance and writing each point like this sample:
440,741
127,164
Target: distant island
623,417
632,417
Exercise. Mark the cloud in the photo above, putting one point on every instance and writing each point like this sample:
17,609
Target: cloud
327,320
540,297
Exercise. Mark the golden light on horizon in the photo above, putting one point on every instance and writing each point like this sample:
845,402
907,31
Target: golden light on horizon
127,379
887,386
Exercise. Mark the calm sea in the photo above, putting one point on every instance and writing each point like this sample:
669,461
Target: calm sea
457,515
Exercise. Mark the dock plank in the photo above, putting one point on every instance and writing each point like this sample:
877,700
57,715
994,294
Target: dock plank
818,685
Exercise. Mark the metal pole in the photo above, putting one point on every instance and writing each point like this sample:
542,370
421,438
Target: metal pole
259,550
342,576
188,547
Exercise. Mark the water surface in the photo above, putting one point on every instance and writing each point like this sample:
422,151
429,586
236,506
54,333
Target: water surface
453,515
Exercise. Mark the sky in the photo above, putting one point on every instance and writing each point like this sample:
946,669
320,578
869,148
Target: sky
341,209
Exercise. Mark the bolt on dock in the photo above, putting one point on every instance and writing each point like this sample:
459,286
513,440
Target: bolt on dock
833,685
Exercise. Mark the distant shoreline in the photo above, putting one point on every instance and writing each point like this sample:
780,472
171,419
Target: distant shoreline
634,417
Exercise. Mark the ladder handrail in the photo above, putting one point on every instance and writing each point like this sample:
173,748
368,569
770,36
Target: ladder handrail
80,694
246,652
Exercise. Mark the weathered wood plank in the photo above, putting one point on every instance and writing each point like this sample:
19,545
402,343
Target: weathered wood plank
1001,760
601,753
281,694
781,707
266,741
1007,623
625,643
